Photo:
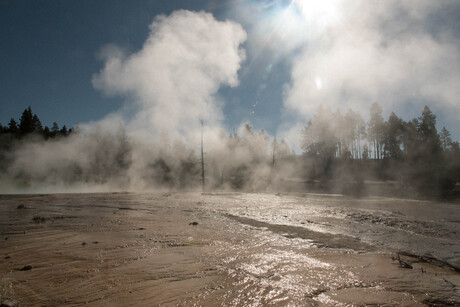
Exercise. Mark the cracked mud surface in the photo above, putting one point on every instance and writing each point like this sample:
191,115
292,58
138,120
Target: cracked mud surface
245,249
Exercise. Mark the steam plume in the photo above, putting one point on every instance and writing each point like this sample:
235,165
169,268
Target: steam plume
173,79
400,54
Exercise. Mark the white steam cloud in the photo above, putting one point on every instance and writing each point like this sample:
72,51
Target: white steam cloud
173,79
170,84
393,52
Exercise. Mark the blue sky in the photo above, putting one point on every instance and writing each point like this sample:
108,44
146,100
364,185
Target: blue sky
50,53
297,57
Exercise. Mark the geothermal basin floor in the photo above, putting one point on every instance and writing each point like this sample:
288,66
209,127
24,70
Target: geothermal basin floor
183,249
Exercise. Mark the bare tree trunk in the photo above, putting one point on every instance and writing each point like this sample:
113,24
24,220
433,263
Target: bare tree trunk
202,159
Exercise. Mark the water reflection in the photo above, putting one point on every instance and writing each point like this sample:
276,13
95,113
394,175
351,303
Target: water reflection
317,249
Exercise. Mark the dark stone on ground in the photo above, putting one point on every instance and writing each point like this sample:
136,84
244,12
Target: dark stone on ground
193,223
9,303
26,268
39,219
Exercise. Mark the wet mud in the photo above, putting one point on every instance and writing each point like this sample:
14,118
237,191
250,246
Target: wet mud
185,249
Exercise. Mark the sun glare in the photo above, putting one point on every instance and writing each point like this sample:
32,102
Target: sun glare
288,26
318,83
319,13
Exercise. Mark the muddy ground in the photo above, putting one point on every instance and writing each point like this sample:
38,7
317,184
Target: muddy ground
187,249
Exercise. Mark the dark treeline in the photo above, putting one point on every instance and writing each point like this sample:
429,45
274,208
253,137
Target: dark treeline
30,124
28,129
33,156
343,151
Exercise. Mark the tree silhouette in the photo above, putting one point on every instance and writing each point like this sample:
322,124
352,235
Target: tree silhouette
424,163
376,127
37,124
360,133
54,129
27,123
446,141
392,138
13,128
63,131
350,128
427,131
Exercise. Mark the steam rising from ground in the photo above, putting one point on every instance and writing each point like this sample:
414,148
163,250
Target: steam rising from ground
401,54
398,53
173,79
387,52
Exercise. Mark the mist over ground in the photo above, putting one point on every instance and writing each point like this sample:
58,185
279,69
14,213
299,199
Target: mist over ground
171,90
341,154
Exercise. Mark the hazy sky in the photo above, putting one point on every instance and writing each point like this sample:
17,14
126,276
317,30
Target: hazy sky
163,64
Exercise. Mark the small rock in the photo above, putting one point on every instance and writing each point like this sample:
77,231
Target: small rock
21,207
7,257
193,223
141,228
26,268
9,303
39,219
84,243
96,242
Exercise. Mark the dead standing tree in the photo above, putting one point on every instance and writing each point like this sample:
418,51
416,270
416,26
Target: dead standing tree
202,159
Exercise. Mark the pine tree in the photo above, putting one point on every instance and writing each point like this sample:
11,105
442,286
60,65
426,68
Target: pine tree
54,129
393,137
446,141
37,124
427,131
13,128
26,123
63,131
46,132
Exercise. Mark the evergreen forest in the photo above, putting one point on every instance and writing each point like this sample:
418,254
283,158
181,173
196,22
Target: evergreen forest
341,153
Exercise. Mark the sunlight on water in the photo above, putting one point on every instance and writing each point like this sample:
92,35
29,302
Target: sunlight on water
276,269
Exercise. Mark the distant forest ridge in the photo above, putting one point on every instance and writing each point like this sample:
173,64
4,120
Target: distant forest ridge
30,123
348,136
341,153
411,153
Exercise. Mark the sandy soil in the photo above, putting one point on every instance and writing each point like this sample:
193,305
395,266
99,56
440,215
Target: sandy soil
142,250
